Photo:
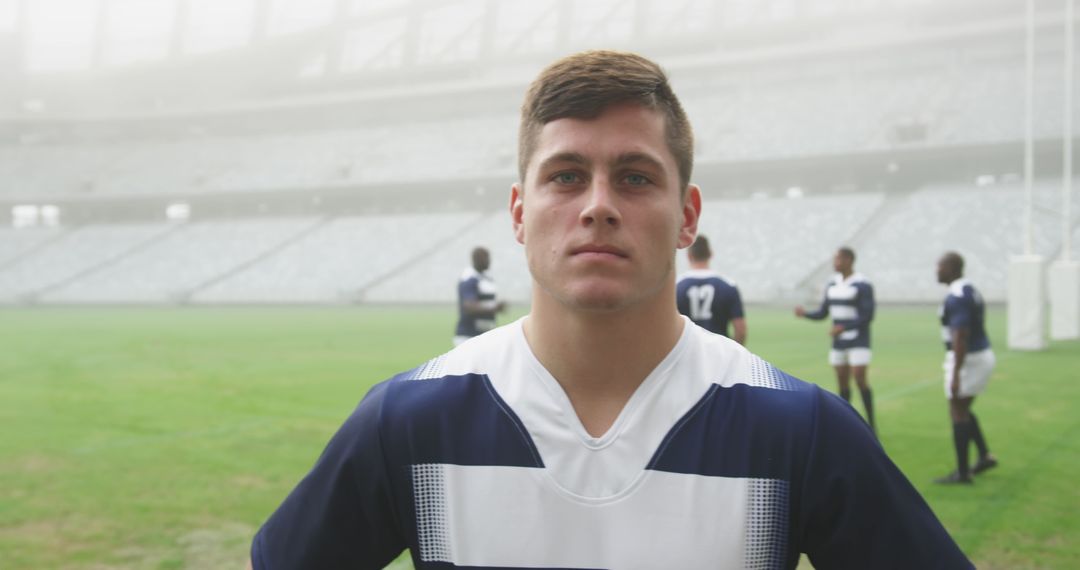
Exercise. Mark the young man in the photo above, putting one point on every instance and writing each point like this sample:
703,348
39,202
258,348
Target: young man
969,361
477,303
603,430
849,300
708,299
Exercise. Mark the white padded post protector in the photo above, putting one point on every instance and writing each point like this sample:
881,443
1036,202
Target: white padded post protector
1026,303
1063,279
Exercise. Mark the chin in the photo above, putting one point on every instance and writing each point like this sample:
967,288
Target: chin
600,298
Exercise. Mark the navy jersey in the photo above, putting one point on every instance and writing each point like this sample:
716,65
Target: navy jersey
709,300
850,303
475,286
964,309
476,459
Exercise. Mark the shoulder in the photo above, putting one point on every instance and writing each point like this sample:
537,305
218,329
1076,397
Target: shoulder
447,410
448,377
696,275
760,383
725,283
961,292
766,419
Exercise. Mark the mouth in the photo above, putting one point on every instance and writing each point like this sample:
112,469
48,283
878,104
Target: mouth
599,251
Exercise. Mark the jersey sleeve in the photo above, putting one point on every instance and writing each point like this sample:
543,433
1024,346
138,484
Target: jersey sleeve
736,308
858,509
469,289
959,312
823,310
341,514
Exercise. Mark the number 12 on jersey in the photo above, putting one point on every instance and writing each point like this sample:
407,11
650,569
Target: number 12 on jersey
701,298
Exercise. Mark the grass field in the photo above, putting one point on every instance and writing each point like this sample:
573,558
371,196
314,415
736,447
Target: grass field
161,438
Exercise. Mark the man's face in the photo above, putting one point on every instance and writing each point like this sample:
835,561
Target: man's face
601,213
841,263
481,261
944,272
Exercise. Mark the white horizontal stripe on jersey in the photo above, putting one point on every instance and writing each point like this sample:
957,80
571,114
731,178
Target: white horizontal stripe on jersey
849,335
843,312
515,517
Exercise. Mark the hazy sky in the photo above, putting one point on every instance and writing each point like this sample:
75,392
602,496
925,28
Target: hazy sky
60,34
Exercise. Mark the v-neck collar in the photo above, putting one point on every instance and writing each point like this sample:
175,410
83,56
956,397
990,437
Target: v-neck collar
624,421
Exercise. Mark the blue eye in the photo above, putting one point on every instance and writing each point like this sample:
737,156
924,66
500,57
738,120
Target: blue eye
637,180
566,178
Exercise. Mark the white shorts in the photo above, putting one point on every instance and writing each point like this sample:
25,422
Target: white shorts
973,376
854,356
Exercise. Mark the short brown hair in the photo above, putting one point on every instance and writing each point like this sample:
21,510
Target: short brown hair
582,85
700,250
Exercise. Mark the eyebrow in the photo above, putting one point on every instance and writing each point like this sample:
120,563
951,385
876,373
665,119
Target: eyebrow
637,157
572,157
621,160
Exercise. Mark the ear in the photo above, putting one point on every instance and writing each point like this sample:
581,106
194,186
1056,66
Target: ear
517,211
691,213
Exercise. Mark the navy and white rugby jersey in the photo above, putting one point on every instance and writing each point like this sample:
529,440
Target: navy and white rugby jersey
475,286
708,299
477,459
850,303
964,309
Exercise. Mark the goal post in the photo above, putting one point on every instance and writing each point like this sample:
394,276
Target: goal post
1026,303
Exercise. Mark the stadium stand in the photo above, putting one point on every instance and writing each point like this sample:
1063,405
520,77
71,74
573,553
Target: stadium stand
334,264
984,224
190,257
16,243
415,152
767,246
434,277
79,252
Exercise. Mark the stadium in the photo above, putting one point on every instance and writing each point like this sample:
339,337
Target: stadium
229,219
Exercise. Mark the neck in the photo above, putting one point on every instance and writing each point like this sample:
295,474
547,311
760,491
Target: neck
847,273
601,357
699,264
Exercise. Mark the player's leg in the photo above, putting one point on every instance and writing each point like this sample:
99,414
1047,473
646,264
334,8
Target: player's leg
864,390
986,459
859,358
839,361
981,366
843,380
960,413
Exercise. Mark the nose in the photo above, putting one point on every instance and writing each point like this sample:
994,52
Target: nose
601,207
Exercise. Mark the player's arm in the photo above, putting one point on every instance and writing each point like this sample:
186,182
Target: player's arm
738,317
959,330
342,514
478,307
820,313
857,510
959,347
738,329
469,291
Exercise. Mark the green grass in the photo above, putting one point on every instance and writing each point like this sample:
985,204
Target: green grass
161,438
